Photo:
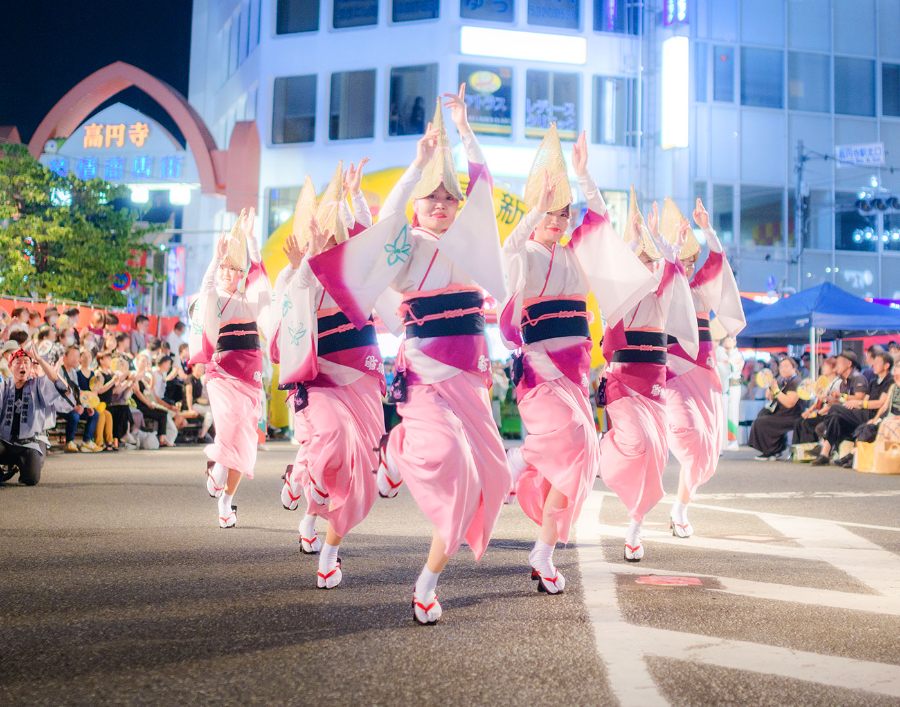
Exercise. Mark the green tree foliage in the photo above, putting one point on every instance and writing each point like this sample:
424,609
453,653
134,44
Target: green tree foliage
64,237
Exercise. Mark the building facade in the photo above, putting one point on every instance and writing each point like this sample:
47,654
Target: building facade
678,97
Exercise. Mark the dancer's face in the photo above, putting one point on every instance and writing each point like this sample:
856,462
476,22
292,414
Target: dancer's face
648,262
553,226
690,265
229,276
437,211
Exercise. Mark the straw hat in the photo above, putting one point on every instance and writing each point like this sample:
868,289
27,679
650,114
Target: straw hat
646,244
549,160
236,253
669,224
440,168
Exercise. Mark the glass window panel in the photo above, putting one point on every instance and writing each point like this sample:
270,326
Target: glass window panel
817,218
352,109
354,13
554,13
233,46
280,206
852,230
854,27
809,82
294,110
854,86
413,92
762,77
723,74
297,16
699,191
723,19
619,16
809,24
701,68
723,212
762,21
488,97
761,216
551,97
615,112
888,22
244,34
890,89
411,10
491,10
254,23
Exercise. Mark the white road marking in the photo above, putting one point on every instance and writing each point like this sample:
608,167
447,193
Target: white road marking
626,669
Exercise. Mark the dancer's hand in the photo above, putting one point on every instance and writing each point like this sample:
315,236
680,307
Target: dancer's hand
426,146
701,216
222,246
319,239
456,102
580,156
653,220
353,177
294,252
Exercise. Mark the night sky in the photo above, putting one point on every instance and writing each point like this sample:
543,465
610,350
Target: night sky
50,45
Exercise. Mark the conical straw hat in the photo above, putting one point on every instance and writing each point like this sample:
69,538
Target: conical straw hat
236,254
646,244
328,213
440,168
669,224
304,212
549,160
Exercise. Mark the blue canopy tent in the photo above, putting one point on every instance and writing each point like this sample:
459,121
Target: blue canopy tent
824,312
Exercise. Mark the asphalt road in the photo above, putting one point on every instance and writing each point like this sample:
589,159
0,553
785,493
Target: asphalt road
116,585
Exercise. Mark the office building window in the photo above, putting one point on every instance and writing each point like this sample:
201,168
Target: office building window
701,69
411,10
722,213
491,10
413,93
615,111
554,13
854,86
294,110
280,202
852,230
762,77
352,108
619,16
297,16
255,9
890,90
723,74
762,216
551,97
816,220
354,13
809,82
488,98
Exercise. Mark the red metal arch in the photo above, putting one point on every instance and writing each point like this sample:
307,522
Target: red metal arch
73,108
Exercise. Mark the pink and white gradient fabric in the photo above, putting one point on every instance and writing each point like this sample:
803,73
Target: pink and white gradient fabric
343,426
236,406
450,456
633,453
694,394
561,451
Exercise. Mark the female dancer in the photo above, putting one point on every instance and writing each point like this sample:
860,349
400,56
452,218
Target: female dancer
633,454
546,316
447,448
231,309
694,390
337,374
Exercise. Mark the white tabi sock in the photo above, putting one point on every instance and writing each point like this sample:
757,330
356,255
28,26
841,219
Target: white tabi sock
541,558
426,584
328,558
517,464
679,512
633,535
308,526
225,504
219,473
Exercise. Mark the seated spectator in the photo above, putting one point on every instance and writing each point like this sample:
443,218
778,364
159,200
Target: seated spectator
176,336
805,429
151,407
104,381
26,402
35,322
19,320
888,415
68,371
121,393
139,334
196,400
847,420
98,323
91,380
51,315
871,352
123,346
48,347
769,431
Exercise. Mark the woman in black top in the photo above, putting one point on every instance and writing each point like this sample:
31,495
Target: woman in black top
769,430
